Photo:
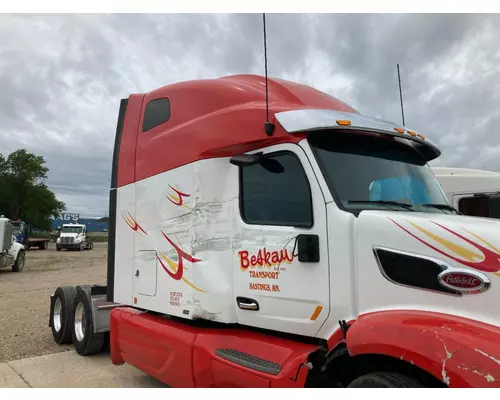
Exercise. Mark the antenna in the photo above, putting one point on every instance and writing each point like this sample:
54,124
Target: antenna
401,97
268,126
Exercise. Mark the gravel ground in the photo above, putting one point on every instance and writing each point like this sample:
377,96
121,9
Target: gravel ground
25,297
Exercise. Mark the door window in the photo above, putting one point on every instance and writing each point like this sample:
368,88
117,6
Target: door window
276,192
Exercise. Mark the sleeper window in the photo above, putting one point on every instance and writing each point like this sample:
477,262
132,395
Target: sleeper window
276,192
157,112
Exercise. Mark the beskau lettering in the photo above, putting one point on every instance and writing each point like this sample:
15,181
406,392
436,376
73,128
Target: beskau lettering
264,258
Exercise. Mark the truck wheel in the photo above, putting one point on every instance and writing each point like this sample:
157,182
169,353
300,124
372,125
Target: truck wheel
82,247
86,342
61,314
19,263
384,380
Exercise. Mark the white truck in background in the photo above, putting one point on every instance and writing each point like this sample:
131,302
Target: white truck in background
12,254
74,237
471,191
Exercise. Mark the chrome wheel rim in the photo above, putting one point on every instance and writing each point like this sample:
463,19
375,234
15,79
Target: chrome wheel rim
56,318
21,261
80,321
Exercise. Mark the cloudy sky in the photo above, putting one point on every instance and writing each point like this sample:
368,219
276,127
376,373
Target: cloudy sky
62,76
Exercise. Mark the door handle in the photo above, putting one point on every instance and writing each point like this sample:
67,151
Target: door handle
247,304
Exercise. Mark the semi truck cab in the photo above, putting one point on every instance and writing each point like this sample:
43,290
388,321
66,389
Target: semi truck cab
317,249
73,237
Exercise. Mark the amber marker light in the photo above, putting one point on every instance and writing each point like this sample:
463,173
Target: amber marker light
343,122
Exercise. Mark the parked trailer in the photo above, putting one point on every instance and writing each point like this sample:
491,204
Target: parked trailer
315,250
21,232
471,191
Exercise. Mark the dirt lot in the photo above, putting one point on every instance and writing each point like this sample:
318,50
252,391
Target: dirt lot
25,297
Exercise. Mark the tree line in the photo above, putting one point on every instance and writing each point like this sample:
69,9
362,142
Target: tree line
24,194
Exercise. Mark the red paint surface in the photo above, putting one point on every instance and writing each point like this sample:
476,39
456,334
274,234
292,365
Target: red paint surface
126,156
184,356
469,350
210,118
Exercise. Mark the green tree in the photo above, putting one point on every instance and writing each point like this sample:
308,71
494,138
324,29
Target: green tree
23,192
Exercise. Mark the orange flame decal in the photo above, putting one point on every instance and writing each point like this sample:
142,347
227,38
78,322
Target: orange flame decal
177,200
134,225
178,267
486,260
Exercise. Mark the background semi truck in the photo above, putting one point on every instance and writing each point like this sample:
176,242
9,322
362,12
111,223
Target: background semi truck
12,253
287,241
471,191
74,237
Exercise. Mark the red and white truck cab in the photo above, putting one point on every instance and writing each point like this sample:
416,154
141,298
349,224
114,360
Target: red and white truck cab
320,252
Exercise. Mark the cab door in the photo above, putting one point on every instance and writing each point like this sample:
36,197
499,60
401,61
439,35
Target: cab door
281,268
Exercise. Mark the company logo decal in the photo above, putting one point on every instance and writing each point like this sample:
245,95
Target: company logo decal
485,260
177,198
176,269
461,281
264,259
134,225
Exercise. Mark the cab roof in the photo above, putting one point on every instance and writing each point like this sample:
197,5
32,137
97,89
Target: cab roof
224,117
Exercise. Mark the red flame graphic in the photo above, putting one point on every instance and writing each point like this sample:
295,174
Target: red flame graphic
180,194
490,263
181,255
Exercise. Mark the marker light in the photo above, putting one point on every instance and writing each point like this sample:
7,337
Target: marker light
421,136
399,130
412,133
344,122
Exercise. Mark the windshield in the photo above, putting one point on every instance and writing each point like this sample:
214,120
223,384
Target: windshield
367,171
16,227
71,229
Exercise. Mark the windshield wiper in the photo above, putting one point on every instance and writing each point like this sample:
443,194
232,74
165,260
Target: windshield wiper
383,202
442,207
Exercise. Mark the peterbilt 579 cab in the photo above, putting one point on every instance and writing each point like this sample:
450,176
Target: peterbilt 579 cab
313,249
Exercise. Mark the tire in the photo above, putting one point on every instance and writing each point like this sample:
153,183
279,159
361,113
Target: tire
58,248
19,263
42,246
384,380
86,342
82,247
62,318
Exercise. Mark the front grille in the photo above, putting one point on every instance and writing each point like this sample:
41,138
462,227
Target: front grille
67,240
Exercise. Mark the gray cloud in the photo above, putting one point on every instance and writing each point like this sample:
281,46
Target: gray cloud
61,78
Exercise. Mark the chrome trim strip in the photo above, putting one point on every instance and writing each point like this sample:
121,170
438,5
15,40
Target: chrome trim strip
446,269
437,261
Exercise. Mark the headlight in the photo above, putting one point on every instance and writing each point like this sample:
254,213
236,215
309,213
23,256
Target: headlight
58,240
78,240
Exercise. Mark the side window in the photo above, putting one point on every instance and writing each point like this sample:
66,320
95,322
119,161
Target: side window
276,192
477,206
495,207
157,112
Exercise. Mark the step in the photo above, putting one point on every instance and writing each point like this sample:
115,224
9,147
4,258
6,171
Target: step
249,361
